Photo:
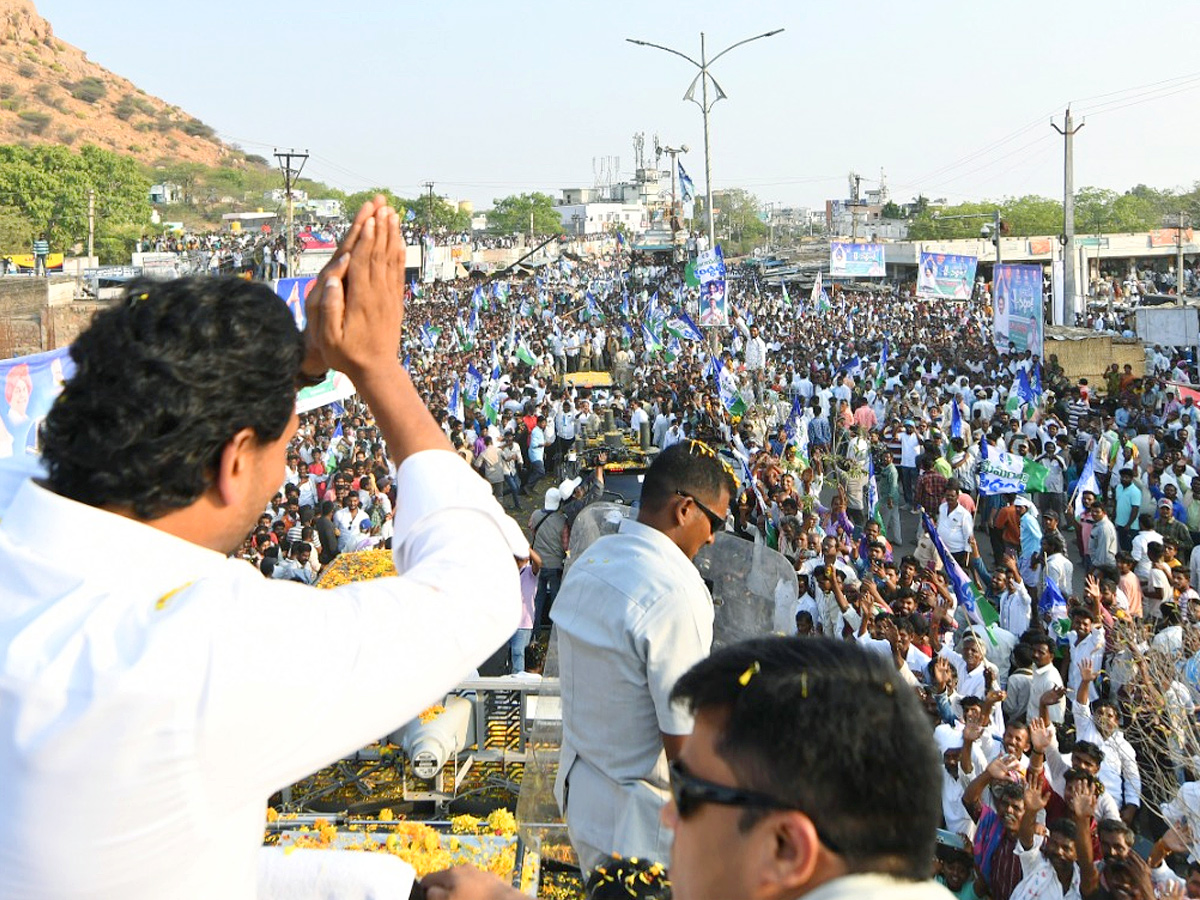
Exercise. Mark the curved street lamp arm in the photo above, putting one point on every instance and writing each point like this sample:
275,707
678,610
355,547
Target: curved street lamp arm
738,44
669,50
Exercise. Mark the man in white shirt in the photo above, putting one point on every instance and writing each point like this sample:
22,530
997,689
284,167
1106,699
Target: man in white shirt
637,417
955,524
1046,681
1013,601
1098,723
139,677
756,352
632,615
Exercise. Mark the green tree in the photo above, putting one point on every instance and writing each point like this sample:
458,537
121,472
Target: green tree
892,210
1022,216
738,224
510,215
186,176
47,187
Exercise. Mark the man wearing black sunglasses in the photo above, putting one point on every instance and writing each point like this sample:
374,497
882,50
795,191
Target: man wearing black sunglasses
633,614
810,772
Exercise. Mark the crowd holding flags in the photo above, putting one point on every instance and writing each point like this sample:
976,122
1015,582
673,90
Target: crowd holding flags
968,595
1008,473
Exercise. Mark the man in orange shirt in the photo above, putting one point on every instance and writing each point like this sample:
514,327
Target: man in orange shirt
1008,523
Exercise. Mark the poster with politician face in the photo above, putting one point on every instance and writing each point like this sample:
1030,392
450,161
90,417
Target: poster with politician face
714,298
31,385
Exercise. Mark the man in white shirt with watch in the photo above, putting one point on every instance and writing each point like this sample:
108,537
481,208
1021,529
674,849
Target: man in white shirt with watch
140,689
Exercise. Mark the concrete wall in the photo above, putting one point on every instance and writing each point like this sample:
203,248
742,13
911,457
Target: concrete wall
1091,356
38,314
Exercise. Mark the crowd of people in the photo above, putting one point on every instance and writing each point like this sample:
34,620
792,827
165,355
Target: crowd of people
848,420
1015,552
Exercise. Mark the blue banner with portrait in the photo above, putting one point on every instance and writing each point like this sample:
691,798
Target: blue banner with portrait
946,276
714,299
31,385
1017,297
856,260
294,292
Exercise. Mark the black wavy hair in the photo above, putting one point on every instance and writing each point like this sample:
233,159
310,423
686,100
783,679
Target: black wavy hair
688,466
163,380
829,728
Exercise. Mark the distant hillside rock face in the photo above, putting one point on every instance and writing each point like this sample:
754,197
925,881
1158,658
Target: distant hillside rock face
50,92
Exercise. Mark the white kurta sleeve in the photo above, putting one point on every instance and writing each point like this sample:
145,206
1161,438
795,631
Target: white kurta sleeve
301,677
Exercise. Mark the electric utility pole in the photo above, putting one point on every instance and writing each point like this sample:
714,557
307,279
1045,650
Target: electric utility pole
428,185
1068,132
290,174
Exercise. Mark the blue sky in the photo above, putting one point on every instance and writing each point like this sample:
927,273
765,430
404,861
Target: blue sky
489,98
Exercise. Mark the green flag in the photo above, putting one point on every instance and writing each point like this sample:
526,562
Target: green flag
526,356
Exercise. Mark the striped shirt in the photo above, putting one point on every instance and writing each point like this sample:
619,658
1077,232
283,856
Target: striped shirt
995,855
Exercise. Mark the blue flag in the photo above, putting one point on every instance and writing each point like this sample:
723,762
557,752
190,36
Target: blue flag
686,188
474,383
650,339
1025,389
428,337
794,420
959,582
456,405
956,425
1036,382
1052,605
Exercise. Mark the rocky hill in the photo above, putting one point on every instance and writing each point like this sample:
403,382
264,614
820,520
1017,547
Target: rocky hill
50,92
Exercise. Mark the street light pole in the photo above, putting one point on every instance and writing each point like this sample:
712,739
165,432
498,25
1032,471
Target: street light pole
705,107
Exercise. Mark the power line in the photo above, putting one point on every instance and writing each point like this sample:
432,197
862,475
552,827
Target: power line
1182,90
984,151
1139,87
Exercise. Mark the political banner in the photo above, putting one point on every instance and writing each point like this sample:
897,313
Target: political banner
1008,473
941,275
335,387
428,260
294,292
856,260
315,240
31,385
1017,308
714,301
